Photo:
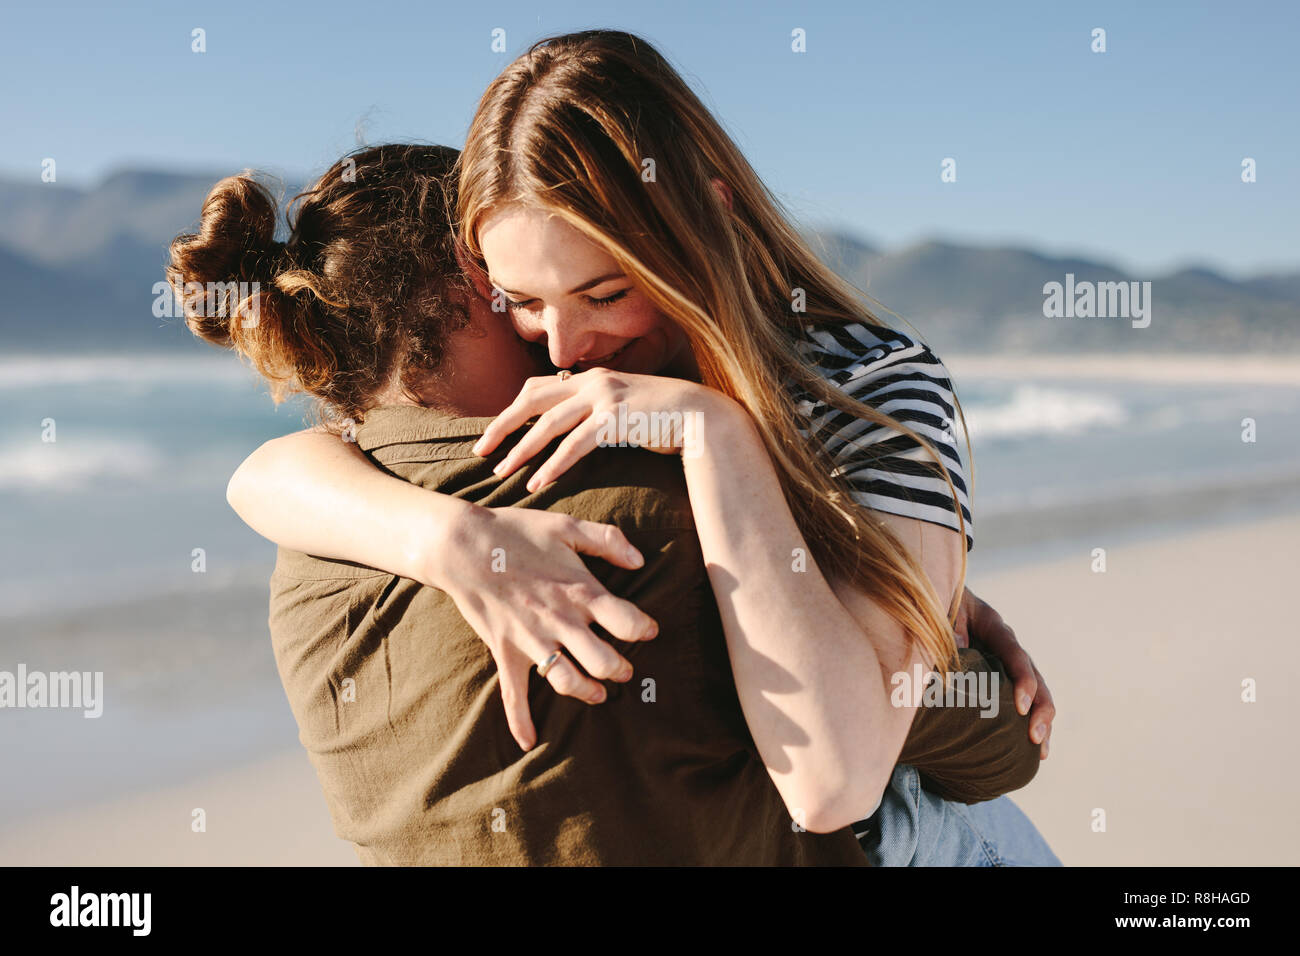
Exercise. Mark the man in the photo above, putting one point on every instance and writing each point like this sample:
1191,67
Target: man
398,703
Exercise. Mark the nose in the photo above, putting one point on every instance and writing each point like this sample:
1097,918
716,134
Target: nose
564,344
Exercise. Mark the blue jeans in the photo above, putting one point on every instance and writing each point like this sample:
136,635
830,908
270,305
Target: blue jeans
913,827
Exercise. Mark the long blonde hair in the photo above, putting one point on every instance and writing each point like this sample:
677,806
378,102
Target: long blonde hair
599,129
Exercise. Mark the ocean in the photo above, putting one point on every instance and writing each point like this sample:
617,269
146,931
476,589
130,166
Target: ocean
100,529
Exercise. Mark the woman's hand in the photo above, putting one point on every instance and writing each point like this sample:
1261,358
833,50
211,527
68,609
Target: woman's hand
516,578
597,408
313,493
977,619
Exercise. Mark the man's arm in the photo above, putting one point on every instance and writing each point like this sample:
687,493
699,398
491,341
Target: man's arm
989,633
962,754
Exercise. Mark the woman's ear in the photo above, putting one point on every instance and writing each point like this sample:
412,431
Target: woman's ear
724,192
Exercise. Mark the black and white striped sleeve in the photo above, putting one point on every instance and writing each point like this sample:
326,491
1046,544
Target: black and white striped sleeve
886,469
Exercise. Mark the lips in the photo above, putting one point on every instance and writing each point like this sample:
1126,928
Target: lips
603,360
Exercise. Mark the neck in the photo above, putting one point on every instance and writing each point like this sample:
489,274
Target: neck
482,370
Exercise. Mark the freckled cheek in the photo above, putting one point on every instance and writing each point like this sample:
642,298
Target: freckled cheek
638,322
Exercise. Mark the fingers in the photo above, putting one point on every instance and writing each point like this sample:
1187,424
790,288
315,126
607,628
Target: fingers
1044,712
1023,676
534,647
523,626
623,619
1001,639
1020,667
565,678
596,656
1032,696
537,396
512,669
558,420
579,442
604,541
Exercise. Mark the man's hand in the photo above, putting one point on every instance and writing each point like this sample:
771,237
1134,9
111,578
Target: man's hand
978,620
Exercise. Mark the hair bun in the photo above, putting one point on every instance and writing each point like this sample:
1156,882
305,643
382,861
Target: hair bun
221,272
362,296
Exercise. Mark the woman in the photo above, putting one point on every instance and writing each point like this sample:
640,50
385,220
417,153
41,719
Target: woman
620,225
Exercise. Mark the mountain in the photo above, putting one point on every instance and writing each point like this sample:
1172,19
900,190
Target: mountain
847,255
78,268
977,299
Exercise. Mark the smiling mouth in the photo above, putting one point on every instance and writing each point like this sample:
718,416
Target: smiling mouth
603,359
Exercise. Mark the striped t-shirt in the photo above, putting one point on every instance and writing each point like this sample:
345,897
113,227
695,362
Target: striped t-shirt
887,470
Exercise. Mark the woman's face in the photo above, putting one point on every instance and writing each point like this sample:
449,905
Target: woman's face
565,292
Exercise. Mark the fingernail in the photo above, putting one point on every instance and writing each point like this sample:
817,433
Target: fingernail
634,558
598,697
532,484
624,675
1039,730
1047,745
500,467
477,446
1022,704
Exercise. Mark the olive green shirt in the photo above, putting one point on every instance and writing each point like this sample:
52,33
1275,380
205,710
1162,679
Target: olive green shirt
398,702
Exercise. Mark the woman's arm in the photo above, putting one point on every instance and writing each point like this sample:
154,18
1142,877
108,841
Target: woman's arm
975,752
812,658
313,492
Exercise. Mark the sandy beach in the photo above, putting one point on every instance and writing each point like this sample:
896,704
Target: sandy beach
1146,662
268,813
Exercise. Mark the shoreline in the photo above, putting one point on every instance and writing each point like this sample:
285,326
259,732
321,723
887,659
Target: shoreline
1157,368
27,369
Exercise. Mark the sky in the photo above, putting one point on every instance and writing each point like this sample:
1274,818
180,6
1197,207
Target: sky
1132,156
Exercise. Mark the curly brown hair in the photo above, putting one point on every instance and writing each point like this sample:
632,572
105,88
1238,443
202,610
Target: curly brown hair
362,294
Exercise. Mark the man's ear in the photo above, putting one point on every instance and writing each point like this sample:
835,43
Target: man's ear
724,191
477,274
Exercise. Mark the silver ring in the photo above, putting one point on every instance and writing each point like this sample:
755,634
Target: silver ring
565,374
545,666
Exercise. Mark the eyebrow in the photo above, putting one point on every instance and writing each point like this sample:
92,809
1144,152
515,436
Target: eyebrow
589,284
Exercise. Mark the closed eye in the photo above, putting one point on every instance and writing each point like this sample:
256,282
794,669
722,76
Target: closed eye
609,299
